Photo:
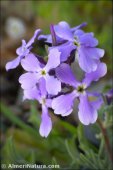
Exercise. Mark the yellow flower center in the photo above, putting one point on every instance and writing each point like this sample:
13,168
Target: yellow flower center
43,72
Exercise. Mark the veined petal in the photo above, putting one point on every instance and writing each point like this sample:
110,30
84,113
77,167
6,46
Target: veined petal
95,75
53,85
86,60
63,105
53,60
28,80
46,123
87,113
32,94
65,75
30,63
42,87
63,32
88,40
13,64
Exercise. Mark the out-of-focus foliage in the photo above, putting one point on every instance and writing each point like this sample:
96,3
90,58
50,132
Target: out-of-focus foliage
66,146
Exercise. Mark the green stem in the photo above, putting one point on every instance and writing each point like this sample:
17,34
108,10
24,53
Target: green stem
106,139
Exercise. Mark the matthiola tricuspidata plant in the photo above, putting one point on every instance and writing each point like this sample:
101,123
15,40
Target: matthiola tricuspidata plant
45,80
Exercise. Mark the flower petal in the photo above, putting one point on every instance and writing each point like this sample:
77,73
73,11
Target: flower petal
64,24
46,123
30,63
28,80
86,60
65,50
32,94
78,27
95,75
13,64
53,85
65,75
42,87
35,36
53,60
88,40
64,32
87,113
63,105
78,33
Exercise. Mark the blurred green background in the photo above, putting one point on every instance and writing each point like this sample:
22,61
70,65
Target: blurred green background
70,144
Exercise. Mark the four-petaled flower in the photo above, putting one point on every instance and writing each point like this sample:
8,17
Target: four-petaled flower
36,70
63,104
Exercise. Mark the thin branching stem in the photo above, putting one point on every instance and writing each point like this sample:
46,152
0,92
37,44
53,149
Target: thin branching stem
106,139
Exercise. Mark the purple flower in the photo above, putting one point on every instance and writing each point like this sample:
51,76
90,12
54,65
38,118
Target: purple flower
86,53
22,51
36,71
39,93
63,104
61,25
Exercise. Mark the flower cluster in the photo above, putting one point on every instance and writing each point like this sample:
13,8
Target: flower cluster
53,82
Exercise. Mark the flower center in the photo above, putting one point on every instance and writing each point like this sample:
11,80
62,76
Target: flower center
81,89
43,72
76,41
43,101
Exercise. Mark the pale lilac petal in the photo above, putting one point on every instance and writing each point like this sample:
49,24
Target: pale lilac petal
65,50
95,75
63,105
53,60
63,32
88,40
53,85
43,37
19,50
94,53
46,123
28,80
42,87
32,94
65,75
78,27
49,103
64,24
13,64
30,63
78,33
87,113
23,50
86,60
35,36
